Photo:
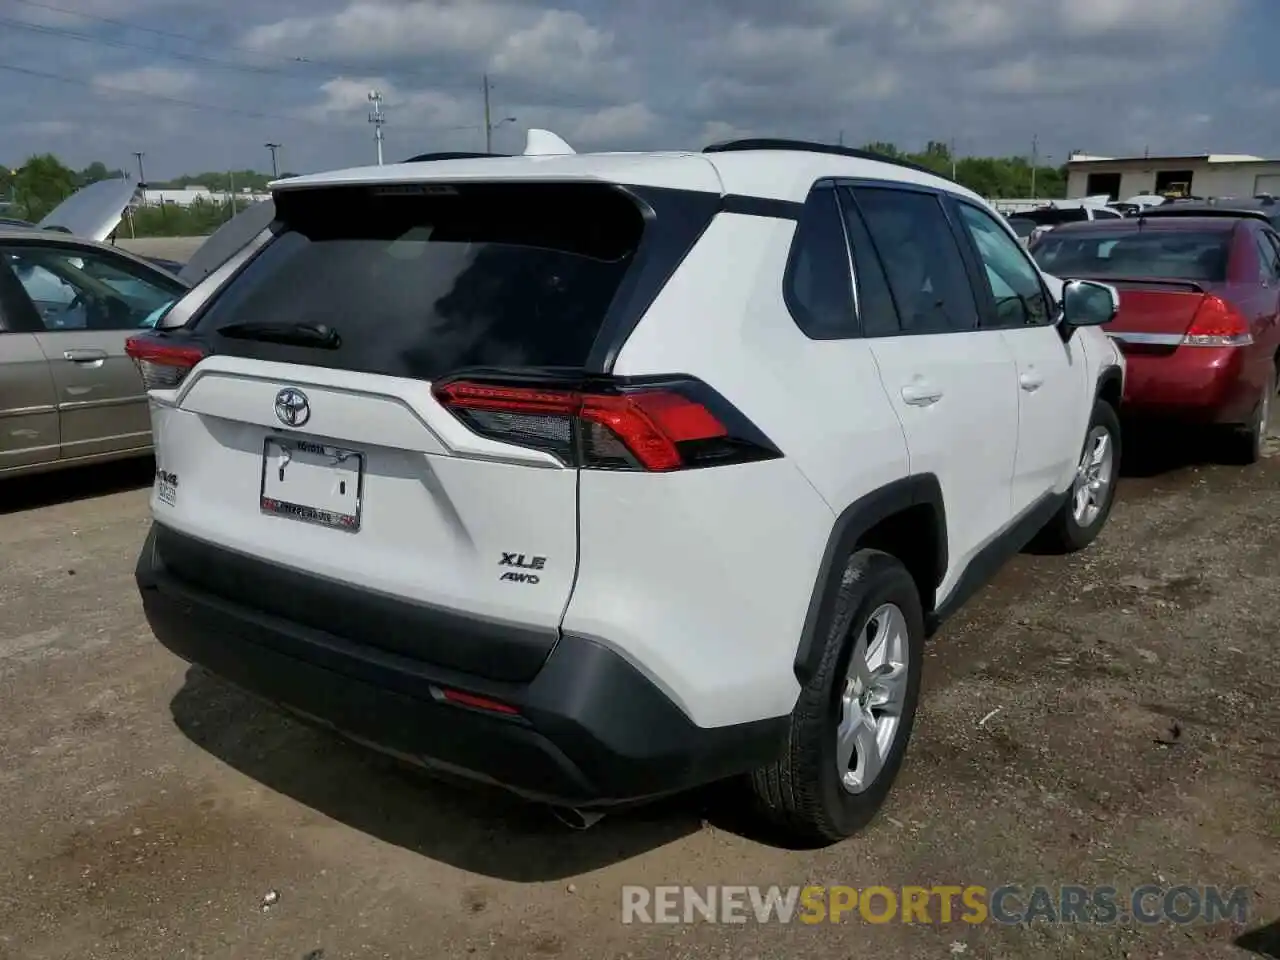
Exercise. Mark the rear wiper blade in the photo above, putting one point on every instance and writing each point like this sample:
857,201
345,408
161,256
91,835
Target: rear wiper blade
292,334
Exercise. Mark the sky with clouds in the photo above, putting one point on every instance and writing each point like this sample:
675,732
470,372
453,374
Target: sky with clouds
199,85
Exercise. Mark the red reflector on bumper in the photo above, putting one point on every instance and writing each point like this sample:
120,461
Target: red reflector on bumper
478,703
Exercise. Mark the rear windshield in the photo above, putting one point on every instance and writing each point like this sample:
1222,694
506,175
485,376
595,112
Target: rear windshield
1022,226
1054,216
416,284
1158,254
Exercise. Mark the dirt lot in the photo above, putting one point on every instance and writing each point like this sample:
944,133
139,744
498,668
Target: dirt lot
148,809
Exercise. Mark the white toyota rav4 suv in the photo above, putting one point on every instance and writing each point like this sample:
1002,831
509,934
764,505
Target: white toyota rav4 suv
602,476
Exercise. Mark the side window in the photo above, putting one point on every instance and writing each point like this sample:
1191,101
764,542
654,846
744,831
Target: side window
877,315
1015,283
817,287
921,259
1266,258
79,289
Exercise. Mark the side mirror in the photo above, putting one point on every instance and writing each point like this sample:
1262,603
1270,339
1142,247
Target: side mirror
1088,304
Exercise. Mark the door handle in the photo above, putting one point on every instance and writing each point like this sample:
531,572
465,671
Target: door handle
84,355
921,394
1031,382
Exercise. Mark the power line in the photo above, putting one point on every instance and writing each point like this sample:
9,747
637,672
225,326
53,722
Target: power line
296,61
194,104
154,97
125,44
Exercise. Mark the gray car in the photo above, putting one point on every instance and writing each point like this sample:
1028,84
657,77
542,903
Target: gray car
68,392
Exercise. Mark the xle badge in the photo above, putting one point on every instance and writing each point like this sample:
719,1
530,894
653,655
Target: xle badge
523,563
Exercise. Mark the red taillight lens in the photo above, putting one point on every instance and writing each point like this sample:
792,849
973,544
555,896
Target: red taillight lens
1217,324
162,365
656,427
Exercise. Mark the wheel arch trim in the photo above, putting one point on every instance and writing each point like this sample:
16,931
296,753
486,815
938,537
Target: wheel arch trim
850,526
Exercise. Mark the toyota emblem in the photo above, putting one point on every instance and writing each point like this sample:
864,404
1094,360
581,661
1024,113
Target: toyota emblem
292,407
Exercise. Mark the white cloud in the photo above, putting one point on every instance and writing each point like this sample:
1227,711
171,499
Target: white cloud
153,81
630,122
558,43
383,29
661,74
404,108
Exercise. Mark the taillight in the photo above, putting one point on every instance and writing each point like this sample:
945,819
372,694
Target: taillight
162,365
1217,324
672,425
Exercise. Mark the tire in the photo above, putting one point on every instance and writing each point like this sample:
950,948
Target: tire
802,793
1072,529
1246,442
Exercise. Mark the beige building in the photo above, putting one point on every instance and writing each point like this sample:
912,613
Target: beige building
1205,175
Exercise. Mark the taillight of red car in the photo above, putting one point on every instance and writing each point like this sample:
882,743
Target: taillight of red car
1217,324
675,424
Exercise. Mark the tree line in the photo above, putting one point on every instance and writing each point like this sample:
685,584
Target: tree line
32,189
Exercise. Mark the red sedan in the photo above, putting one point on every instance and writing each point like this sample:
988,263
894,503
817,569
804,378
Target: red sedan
1199,318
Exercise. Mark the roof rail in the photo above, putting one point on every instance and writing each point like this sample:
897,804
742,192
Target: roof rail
1196,210
452,155
809,146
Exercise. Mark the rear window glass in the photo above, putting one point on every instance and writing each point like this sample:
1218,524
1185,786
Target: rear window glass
1054,216
1022,227
1162,254
418,284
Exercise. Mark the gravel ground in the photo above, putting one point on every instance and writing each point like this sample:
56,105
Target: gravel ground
149,809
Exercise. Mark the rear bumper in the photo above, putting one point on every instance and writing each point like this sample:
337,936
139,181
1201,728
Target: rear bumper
1191,384
591,729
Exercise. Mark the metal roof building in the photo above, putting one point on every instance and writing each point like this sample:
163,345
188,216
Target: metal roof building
1199,175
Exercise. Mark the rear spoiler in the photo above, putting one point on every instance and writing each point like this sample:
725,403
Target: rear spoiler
1192,285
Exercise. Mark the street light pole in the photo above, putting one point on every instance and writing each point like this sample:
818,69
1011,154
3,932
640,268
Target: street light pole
275,168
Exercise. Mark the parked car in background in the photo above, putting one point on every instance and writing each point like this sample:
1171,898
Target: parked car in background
1199,318
68,392
1264,207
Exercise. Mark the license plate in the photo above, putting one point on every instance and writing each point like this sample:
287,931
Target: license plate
313,482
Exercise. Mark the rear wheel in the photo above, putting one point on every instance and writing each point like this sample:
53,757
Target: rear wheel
852,722
1247,442
1093,489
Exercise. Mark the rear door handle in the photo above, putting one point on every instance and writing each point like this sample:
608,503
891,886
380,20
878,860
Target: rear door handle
84,355
921,394
1031,382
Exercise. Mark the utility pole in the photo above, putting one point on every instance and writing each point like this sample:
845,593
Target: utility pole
377,118
275,167
231,190
840,141
1035,159
488,119
952,151
489,125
